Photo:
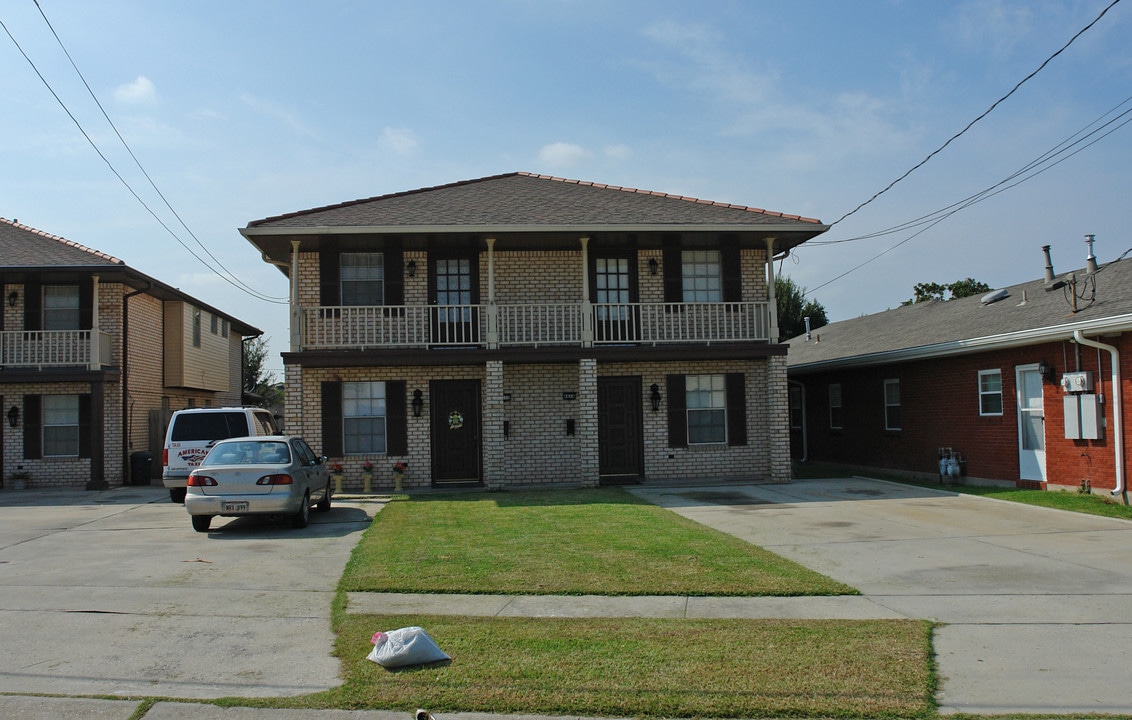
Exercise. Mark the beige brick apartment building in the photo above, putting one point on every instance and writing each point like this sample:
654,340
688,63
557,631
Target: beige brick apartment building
526,330
94,355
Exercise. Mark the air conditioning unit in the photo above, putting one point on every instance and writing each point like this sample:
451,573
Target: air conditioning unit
1076,382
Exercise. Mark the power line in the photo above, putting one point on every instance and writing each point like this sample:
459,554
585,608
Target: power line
980,117
125,183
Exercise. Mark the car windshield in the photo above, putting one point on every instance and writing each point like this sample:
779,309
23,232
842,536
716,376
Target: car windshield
250,452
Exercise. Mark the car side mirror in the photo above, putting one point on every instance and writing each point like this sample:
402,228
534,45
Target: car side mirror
322,459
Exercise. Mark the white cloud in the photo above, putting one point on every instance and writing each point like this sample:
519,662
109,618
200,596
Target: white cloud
617,152
400,140
282,113
562,154
137,92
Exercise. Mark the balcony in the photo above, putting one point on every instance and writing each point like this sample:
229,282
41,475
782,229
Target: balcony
39,349
531,325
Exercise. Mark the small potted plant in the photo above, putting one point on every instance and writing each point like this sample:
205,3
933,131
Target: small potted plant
336,473
19,479
367,476
399,469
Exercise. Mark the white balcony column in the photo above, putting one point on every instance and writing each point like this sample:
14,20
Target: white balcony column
772,301
93,360
293,301
587,307
492,308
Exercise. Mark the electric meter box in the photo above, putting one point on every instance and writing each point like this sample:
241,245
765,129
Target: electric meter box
1084,417
1077,382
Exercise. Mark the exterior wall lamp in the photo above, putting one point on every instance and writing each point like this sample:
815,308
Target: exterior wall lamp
411,268
1046,370
654,395
418,403
14,416
12,298
654,266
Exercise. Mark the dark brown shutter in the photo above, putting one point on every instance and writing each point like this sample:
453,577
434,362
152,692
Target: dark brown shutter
394,266
736,409
33,305
677,412
329,274
731,270
84,425
673,275
396,419
86,305
332,441
33,428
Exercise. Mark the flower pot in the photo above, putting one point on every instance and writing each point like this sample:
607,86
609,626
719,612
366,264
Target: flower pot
397,478
367,480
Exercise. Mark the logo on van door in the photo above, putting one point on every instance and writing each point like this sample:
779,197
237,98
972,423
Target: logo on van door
192,456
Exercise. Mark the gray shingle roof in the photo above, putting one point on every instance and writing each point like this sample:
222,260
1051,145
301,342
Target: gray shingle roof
1029,314
25,247
525,199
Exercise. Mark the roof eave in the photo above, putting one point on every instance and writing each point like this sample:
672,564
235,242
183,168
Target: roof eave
767,228
1021,338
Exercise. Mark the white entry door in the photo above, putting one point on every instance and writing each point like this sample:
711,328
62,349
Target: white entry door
1031,424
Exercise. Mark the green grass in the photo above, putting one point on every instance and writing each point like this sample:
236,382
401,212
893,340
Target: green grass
563,542
1096,504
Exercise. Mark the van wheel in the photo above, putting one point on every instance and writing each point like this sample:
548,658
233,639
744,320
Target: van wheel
303,515
177,495
201,522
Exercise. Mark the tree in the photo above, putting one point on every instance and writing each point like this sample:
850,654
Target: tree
257,379
923,292
793,308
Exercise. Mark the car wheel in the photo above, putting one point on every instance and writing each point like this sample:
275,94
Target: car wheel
324,504
201,522
177,495
303,515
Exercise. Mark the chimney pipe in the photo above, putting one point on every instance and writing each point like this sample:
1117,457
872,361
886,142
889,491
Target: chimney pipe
1091,261
807,319
1049,264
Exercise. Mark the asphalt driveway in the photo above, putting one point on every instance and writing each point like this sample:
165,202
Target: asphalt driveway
114,593
1037,602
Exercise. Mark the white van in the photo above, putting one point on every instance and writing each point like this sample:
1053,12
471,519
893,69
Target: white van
192,433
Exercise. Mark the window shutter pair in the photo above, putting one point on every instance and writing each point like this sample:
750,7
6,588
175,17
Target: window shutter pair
396,419
736,410
33,426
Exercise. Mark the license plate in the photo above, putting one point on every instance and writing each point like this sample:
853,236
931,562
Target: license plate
234,507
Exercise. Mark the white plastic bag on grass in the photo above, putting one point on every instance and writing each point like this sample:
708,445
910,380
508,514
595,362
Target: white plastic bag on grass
407,646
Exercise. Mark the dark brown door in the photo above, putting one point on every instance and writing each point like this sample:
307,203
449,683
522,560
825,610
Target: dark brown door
454,409
619,440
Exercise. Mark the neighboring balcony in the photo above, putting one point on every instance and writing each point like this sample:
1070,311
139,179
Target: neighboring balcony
533,325
40,349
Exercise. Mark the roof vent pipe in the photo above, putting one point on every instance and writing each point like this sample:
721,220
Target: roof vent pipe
807,319
1091,261
1049,264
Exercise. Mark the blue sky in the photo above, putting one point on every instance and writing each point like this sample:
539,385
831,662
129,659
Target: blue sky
242,110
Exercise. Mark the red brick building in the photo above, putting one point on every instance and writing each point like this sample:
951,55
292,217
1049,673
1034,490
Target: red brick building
1013,383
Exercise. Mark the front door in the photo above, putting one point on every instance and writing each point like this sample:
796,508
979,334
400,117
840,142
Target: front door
619,439
1031,424
454,411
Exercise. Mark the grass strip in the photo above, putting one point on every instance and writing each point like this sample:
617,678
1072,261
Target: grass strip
646,667
595,541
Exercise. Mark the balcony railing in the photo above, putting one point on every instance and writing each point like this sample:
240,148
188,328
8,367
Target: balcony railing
531,325
54,348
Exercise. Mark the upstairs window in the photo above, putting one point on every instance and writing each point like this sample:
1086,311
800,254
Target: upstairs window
61,307
891,404
990,392
702,277
363,278
196,327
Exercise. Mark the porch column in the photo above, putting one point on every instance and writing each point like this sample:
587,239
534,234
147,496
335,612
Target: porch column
492,308
587,307
771,298
95,360
588,466
296,312
494,448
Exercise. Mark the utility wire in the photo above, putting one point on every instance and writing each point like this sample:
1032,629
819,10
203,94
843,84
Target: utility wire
980,117
121,179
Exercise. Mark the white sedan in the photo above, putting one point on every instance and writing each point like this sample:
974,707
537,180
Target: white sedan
263,475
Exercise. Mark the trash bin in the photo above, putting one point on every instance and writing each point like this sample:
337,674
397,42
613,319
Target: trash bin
141,464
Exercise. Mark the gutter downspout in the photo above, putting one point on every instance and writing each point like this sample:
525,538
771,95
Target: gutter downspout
1117,410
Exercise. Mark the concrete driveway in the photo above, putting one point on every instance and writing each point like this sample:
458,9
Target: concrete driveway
114,593
1037,603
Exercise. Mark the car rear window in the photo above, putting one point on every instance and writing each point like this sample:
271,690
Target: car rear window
209,426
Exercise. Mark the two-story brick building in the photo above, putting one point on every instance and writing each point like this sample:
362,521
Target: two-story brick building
521,329
94,355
